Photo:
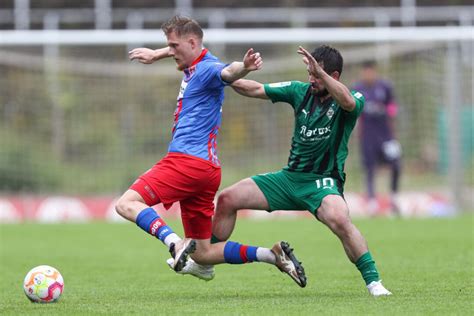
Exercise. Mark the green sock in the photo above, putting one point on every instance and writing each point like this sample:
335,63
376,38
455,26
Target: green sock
366,266
215,240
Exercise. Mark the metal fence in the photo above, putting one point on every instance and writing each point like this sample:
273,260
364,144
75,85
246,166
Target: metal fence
82,119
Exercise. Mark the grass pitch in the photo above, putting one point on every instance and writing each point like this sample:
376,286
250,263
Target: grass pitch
118,269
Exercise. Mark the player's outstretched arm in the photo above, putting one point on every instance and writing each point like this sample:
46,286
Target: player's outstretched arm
337,89
249,88
252,61
147,55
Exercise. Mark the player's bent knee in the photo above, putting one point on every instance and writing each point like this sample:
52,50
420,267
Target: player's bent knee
225,201
119,210
121,207
336,220
342,222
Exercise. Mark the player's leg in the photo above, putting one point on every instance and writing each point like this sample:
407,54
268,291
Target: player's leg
280,255
395,169
129,205
197,213
133,207
334,213
230,252
369,161
392,154
369,178
193,228
245,194
197,225
198,183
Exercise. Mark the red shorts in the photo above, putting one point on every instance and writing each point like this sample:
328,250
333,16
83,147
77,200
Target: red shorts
190,180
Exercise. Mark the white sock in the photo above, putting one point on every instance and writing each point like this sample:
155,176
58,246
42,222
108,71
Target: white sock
171,238
265,255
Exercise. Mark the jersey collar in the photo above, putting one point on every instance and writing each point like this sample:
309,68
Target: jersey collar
325,102
203,53
322,105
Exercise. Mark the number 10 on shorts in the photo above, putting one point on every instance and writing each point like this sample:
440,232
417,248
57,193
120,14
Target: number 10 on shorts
324,183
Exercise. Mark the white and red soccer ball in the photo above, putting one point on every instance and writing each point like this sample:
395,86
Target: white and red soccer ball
43,284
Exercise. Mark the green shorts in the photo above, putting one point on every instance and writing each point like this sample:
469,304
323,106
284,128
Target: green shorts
285,190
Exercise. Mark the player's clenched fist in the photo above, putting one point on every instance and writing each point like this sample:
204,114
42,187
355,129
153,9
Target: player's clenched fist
252,61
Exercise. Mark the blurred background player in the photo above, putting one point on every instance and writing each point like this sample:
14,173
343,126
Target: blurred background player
377,129
190,173
325,114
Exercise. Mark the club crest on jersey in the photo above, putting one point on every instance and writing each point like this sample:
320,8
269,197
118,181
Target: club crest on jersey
330,113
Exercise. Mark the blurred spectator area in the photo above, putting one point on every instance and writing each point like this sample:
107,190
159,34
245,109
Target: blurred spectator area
120,14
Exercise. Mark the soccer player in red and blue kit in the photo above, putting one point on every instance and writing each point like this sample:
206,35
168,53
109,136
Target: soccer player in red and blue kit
190,173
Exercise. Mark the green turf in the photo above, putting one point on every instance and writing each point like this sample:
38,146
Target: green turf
117,269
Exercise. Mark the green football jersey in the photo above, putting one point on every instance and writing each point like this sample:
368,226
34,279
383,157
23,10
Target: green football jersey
322,130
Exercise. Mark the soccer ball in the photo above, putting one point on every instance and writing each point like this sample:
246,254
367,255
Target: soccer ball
43,284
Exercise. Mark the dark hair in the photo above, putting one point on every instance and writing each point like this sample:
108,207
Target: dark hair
182,25
369,64
330,57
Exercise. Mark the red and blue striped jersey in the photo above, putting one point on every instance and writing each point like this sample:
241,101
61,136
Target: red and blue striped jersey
198,114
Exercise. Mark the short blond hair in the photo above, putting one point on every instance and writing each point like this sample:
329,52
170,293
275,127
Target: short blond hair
181,26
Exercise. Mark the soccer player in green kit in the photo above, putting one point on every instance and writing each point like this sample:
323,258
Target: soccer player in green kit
325,115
